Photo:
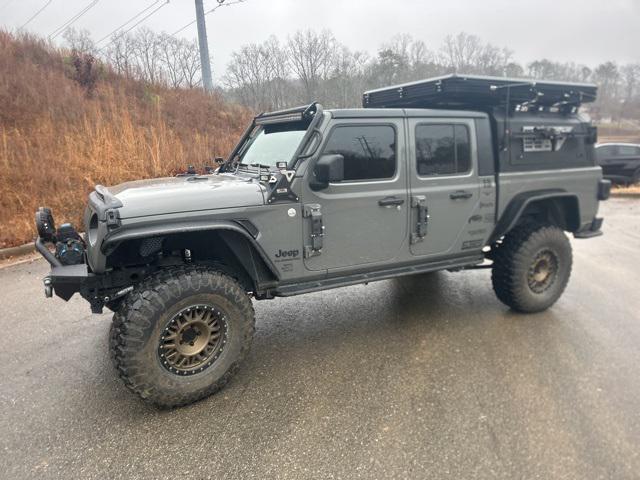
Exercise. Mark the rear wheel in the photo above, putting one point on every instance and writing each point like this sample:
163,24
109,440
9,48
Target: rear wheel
531,267
181,335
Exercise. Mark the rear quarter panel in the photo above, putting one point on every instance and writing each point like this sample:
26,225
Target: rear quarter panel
583,182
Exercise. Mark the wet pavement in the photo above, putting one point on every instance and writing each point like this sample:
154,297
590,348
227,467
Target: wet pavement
421,377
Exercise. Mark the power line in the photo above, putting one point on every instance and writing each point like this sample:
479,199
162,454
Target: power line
128,21
135,25
72,20
207,13
36,14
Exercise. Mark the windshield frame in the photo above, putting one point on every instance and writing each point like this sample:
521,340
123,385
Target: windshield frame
259,131
313,113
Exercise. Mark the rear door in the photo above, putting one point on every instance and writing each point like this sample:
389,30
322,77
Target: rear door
607,156
629,160
452,208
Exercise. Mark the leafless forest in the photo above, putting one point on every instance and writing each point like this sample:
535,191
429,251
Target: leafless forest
315,66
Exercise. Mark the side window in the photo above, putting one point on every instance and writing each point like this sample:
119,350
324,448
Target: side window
627,150
442,149
604,152
369,151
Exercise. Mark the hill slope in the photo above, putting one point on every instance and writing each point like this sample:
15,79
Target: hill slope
67,124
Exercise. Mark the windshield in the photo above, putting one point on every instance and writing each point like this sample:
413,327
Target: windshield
268,147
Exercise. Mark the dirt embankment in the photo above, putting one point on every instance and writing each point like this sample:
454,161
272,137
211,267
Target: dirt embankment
67,123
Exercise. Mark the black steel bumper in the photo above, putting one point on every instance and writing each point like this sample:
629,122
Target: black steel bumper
98,290
64,280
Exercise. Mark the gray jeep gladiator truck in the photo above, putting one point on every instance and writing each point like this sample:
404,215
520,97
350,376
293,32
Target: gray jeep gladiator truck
451,173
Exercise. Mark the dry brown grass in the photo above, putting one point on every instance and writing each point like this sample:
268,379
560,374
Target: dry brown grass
56,142
631,189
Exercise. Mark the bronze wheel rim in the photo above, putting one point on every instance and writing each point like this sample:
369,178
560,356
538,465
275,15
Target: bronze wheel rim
543,271
193,339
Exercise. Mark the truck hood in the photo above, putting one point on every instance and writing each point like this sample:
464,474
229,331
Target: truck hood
184,194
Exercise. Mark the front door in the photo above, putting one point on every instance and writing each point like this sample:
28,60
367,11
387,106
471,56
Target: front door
364,216
449,214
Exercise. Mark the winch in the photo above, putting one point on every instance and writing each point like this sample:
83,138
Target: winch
69,245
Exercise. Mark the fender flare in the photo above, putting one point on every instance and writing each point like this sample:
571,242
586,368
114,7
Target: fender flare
519,204
241,226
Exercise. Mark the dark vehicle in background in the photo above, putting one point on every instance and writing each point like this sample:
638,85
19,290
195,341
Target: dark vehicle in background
620,162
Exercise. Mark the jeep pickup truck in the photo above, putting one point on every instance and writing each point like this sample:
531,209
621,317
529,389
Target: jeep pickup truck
451,173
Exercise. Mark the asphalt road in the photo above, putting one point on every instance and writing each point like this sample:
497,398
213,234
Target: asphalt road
426,376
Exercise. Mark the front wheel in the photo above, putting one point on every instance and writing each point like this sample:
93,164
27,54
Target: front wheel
181,335
531,267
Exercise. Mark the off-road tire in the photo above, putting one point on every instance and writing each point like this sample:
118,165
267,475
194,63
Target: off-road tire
513,273
138,326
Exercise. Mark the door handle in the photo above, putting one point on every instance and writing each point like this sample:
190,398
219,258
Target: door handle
390,202
460,195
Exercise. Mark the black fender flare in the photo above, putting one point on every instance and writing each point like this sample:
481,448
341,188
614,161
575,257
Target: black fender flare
241,226
519,204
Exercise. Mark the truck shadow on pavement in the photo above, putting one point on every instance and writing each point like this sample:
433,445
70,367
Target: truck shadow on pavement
299,338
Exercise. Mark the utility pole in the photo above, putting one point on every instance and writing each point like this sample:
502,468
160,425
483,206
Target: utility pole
205,64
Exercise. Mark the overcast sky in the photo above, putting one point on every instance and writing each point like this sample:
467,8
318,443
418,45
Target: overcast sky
583,31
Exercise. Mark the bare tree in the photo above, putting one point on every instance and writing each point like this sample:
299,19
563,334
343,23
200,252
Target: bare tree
248,75
277,72
630,80
121,55
607,76
513,70
189,57
148,55
80,41
311,58
170,49
347,80
459,53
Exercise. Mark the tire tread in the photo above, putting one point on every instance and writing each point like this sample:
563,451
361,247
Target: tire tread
512,254
152,295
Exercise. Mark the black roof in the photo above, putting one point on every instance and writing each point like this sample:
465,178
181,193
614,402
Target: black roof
474,91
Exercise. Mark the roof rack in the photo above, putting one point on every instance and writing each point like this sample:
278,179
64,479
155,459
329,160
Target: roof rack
474,91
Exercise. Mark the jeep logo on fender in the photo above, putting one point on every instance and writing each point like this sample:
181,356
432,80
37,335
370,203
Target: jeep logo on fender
287,253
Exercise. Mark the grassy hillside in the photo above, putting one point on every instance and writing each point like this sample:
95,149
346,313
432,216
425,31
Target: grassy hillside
67,124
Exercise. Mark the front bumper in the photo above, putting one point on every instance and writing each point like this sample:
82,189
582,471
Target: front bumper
65,280
99,290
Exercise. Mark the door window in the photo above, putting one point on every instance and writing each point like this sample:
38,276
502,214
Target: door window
369,151
604,152
442,149
626,150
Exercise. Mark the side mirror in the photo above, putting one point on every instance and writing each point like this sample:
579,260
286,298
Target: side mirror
328,169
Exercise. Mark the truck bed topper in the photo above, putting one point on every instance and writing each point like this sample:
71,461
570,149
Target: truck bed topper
474,91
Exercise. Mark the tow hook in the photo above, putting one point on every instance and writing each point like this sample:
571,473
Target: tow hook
48,288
